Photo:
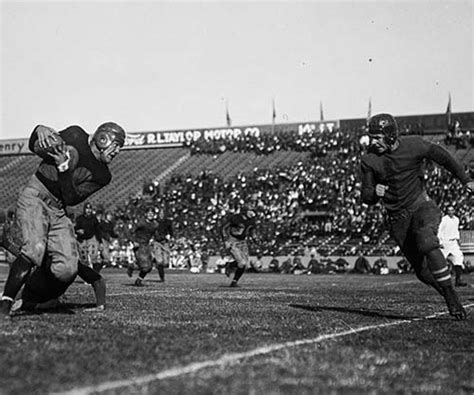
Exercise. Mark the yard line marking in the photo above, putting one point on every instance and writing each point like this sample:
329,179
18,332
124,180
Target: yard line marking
227,359
137,293
402,282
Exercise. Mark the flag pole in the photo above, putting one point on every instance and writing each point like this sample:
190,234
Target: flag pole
273,115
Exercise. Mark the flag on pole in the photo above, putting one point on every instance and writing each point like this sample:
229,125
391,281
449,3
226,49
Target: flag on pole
448,111
273,112
227,115
369,111
321,114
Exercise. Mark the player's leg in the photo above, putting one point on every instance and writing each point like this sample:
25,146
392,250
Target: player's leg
94,253
92,277
425,224
240,253
42,289
161,257
28,234
104,255
144,262
453,251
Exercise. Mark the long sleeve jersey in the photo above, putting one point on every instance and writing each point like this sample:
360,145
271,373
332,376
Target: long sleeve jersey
237,226
74,185
144,231
402,171
90,225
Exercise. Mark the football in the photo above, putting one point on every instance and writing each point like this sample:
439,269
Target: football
44,152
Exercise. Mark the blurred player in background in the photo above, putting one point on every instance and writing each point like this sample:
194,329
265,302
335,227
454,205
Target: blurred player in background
107,234
74,166
142,240
449,238
161,244
392,171
236,230
88,237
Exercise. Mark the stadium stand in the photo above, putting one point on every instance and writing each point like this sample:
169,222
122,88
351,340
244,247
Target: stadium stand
305,186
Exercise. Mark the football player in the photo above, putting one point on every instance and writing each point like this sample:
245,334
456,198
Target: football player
392,171
88,237
74,166
142,240
236,230
161,244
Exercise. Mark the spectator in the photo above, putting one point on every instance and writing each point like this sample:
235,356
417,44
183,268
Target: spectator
404,266
315,266
274,265
381,266
362,265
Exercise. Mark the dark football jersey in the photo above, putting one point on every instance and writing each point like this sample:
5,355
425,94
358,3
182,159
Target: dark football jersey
90,225
402,171
238,226
144,231
164,228
74,185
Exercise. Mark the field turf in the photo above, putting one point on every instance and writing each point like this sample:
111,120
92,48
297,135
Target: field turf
275,334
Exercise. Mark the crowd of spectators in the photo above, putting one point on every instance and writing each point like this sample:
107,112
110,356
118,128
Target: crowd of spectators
297,206
458,137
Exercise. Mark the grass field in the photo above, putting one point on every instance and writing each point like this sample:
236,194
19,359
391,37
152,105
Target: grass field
276,334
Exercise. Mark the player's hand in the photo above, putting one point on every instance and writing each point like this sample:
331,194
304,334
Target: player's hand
470,186
45,136
60,154
380,190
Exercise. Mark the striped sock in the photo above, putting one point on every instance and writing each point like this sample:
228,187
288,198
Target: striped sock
439,268
442,276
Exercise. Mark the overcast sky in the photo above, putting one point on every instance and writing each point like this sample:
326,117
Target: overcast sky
172,65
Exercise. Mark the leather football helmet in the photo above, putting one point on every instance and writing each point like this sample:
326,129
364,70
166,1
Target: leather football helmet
384,124
107,134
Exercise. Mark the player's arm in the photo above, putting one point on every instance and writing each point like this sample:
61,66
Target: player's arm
225,233
76,192
253,234
170,231
443,158
225,230
368,190
97,231
45,135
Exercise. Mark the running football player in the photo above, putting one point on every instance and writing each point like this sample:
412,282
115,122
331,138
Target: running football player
161,244
236,230
392,171
142,239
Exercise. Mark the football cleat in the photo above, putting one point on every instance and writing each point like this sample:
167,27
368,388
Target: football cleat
138,282
5,306
455,307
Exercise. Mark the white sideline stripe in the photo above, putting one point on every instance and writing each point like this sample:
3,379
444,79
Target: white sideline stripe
402,282
137,293
227,359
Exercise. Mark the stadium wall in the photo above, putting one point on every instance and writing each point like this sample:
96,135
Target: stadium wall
431,123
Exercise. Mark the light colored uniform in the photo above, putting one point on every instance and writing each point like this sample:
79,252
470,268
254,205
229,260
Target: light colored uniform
448,235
